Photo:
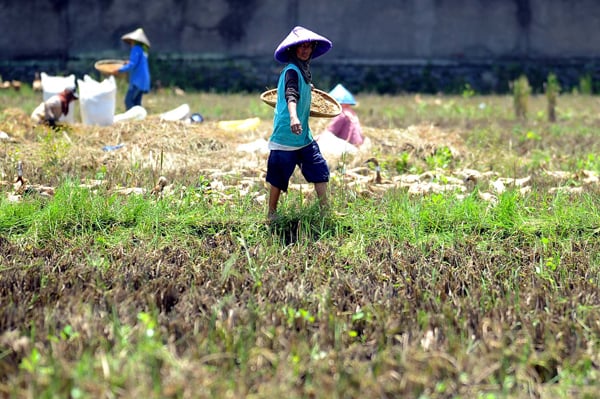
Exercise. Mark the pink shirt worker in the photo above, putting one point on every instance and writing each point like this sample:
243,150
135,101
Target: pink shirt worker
346,125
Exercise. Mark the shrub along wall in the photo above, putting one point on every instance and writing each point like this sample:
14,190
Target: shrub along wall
255,75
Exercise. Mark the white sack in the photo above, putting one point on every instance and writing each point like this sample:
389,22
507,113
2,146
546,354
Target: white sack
259,146
135,113
331,145
97,100
178,114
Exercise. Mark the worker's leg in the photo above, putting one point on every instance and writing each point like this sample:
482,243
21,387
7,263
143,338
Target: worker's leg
321,189
274,195
315,170
280,167
133,97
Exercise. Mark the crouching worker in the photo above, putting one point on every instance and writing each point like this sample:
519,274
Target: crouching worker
346,125
51,110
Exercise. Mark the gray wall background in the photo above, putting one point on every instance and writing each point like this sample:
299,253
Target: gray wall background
440,40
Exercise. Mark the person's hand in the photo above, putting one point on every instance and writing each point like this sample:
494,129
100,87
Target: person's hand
295,125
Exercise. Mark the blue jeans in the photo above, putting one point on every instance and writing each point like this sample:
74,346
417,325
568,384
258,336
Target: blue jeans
133,97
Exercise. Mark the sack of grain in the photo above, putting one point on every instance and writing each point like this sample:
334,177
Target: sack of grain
97,100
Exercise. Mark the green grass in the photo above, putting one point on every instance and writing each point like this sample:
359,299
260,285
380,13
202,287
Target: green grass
393,295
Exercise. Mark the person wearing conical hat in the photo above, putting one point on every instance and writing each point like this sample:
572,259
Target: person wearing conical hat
137,67
291,143
346,125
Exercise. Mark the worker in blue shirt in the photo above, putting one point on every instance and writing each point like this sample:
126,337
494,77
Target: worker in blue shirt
137,67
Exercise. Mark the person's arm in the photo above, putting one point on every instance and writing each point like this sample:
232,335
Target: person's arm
134,59
292,95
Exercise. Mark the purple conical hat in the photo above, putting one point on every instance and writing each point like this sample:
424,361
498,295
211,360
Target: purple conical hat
300,35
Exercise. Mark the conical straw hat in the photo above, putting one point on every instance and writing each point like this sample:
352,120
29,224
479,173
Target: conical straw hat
137,35
301,35
342,95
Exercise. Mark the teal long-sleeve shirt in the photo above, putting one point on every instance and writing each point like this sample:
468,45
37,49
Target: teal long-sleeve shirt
282,133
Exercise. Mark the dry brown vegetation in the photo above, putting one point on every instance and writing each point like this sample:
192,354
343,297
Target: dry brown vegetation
352,306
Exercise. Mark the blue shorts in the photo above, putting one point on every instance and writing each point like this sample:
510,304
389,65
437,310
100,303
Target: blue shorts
281,165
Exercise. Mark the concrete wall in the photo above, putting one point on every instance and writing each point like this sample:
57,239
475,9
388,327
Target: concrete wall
364,32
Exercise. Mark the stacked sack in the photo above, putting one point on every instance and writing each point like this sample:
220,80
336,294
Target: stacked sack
97,100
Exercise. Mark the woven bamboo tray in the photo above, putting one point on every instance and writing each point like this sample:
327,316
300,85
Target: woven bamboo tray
321,106
109,67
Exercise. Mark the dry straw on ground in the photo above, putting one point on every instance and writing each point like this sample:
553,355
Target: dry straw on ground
178,149
183,152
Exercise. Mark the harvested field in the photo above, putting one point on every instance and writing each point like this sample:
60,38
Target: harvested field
458,257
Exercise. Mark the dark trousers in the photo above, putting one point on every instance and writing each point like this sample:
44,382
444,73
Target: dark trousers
133,97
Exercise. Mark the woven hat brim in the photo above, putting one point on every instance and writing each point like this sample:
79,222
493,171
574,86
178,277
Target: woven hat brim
137,35
301,35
